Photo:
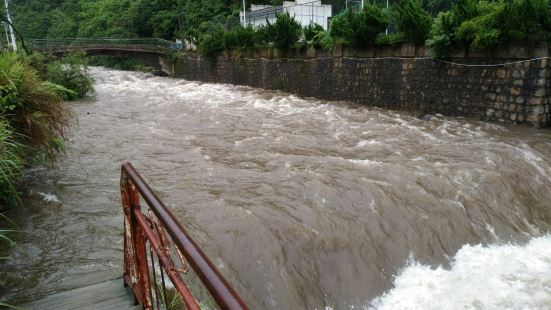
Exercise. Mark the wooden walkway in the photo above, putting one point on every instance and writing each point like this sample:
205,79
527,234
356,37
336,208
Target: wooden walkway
105,295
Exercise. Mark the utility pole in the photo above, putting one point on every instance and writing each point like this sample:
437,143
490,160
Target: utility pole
386,32
244,14
12,34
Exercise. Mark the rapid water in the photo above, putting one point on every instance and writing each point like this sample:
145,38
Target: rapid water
301,203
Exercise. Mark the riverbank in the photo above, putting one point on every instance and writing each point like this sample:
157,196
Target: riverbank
34,120
510,85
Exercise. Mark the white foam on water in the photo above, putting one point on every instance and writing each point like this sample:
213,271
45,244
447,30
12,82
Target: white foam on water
481,277
534,159
46,197
365,143
365,162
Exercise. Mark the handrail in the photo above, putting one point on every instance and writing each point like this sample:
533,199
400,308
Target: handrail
76,42
139,229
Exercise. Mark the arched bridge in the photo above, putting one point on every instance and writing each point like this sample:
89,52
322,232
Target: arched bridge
155,53
105,46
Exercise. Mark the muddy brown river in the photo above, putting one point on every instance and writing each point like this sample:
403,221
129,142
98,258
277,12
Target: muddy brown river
301,203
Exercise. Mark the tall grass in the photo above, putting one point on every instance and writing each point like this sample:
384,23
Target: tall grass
33,119
11,164
34,108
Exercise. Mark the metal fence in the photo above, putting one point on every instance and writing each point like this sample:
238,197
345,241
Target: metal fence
317,12
305,13
156,230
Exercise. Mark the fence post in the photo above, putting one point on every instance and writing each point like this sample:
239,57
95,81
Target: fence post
136,273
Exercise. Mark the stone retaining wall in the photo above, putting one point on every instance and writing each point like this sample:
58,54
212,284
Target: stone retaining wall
402,78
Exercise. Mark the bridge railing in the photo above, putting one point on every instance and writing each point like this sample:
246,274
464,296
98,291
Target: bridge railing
84,42
158,231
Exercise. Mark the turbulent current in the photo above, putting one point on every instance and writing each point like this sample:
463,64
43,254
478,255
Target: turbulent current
301,203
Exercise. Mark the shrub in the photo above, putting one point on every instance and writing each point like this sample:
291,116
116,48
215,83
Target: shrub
327,41
264,34
211,43
391,39
442,36
526,20
412,20
286,31
482,31
359,29
72,73
11,165
239,37
35,111
490,24
313,35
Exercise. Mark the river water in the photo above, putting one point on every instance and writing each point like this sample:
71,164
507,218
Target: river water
301,203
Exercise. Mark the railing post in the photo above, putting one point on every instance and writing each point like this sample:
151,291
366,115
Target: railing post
136,273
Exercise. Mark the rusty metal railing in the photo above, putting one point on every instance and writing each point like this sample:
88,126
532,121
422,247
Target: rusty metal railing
142,231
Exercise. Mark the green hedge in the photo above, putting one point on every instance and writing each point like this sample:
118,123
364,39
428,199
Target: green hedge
484,24
33,119
472,24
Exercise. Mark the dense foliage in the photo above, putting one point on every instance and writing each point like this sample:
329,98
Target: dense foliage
359,29
490,24
32,114
168,19
33,119
412,20
11,164
213,25
284,33
70,72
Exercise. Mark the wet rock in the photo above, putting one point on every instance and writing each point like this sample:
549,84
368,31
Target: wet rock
425,117
159,73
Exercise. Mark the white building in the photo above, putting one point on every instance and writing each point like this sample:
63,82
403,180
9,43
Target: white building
304,11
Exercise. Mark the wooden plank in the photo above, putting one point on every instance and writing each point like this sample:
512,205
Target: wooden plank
98,296
122,302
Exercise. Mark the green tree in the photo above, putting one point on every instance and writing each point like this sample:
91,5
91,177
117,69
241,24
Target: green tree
412,20
359,29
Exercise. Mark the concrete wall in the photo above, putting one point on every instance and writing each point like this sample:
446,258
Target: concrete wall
517,92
